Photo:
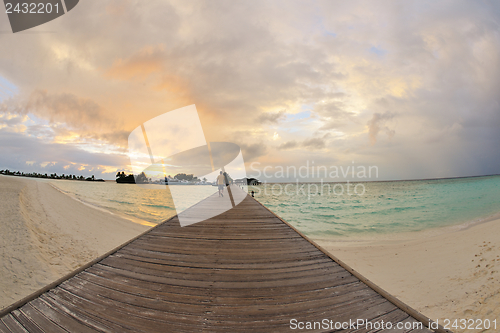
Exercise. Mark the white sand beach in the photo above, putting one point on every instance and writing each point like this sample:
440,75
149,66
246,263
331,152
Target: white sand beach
450,273
46,234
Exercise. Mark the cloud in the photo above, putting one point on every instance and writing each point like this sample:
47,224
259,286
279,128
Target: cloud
16,149
66,108
288,145
57,115
252,151
97,77
314,143
10,119
311,143
147,61
376,124
272,118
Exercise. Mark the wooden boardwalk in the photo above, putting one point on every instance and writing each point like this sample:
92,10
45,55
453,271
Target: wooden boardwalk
245,270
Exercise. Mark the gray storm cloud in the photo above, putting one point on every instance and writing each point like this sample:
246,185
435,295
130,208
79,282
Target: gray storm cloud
68,108
353,65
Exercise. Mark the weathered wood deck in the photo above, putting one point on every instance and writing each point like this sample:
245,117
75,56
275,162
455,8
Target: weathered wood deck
244,270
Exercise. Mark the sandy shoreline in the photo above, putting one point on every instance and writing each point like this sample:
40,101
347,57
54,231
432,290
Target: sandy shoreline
451,274
47,234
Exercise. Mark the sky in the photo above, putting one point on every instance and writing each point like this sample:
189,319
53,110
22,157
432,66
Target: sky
411,87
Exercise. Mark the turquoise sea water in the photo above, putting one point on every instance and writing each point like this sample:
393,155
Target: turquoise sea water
384,207
387,207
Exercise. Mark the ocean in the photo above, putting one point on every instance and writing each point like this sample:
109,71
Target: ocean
378,208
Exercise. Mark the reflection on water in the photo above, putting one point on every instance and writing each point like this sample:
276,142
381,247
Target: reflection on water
153,205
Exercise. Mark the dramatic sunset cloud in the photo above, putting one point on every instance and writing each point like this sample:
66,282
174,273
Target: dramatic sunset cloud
411,87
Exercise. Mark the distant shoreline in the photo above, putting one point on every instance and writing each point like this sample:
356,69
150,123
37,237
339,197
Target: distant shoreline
264,182
53,176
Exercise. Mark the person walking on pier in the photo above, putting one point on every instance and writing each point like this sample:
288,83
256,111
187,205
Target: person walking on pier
221,180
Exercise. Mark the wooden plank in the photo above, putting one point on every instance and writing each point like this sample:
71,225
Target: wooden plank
221,297
239,255
200,274
170,309
156,284
93,314
217,228
224,296
42,321
258,269
150,276
155,257
192,261
13,325
26,322
275,243
242,260
281,309
243,270
3,327
307,315
131,317
226,249
60,318
290,310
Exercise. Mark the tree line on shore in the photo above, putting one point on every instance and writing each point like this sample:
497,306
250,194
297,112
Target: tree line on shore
122,177
7,172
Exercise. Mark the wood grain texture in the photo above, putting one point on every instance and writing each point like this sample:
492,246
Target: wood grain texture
245,270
